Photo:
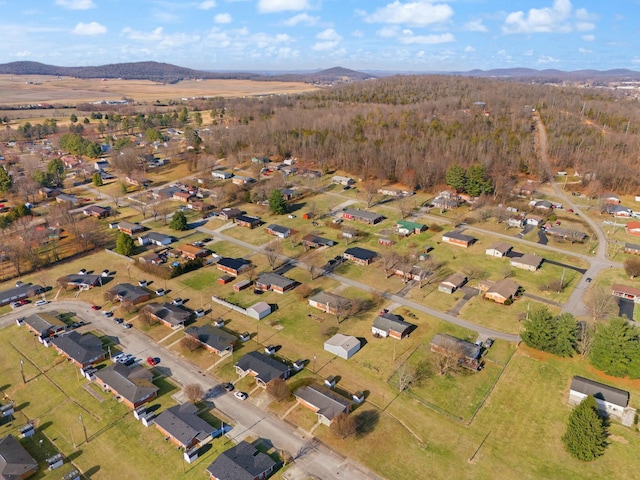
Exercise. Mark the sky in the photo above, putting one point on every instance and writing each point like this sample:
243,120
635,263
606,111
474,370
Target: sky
292,35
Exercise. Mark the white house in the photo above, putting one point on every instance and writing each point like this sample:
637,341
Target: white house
221,175
499,249
611,401
344,346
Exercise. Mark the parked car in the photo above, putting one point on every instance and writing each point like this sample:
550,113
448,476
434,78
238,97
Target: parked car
24,301
126,325
152,361
108,313
160,292
15,304
241,395
488,342
228,386
130,361
118,320
478,343
570,210
95,307
177,301
118,357
40,303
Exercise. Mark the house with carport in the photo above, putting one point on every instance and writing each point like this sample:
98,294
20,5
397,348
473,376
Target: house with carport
263,368
327,404
132,385
82,349
242,462
182,425
452,283
389,325
212,338
456,237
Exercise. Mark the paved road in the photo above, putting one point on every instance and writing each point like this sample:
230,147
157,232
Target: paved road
318,461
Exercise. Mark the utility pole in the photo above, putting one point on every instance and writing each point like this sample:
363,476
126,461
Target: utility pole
84,429
24,380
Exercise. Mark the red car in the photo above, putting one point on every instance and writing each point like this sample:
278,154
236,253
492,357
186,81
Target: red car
152,361
95,307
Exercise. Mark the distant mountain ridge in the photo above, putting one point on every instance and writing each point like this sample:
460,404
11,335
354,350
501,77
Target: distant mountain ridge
168,73
551,74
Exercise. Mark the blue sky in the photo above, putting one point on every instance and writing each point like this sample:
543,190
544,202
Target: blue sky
394,35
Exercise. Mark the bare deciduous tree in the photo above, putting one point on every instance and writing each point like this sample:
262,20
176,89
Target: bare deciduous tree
190,343
343,426
600,303
585,338
388,259
368,190
278,390
194,392
272,252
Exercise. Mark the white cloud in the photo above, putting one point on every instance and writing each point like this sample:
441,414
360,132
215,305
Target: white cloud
324,46
207,5
548,19
329,34
408,38
91,28
475,26
357,34
388,32
76,4
418,12
584,26
635,60
222,18
22,54
544,59
271,6
584,50
303,18
469,49
330,40
161,39
588,38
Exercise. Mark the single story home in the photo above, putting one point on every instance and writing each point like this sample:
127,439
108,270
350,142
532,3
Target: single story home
96,211
212,338
528,261
501,291
535,220
241,180
344,181
68,198
499,249
167,313
128,293
83,350
132,385
414,273
362,216
191,252
618,211
228,213
467,353
361,256
609,198
517,222
44,324
275,282
233,266
242,462
259,310
24,290
632,248
323,401
405,227
182,196
452,283
541,204
612,402
155,238
184,427
456,237
131,228
567,234
389,325
75,280
344,346
15,462
278,231
329,302
152,258
625,291
314,241
101,165
264,368
247,221
221,175
633,228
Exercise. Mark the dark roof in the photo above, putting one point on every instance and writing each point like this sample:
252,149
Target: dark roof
360,253
134,227
506,288
81,348
600,391
631,246
327,298
157,236
266,368
43,323
458,235
445,342
78,280
390,322
329,403
310,238
233,263
215,337
242,462
126,291
270,278
168,312
228,212
183,424
363,214
15,461
247,219
134,383
279,229
24,290
528,259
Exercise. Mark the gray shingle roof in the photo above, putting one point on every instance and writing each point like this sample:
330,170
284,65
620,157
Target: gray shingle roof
329,403
391,323
360,253
242,462
270,278
169,313
446,342
458,235
81,348
600,391
134,384
15,461
266,368
182,423
215,337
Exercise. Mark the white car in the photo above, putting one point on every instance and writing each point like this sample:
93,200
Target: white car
241,395
40,303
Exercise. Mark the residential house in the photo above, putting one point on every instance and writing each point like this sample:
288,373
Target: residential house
446,200
287,193
241,180
633,228
212,338
131,228
535,220
517,222
44,325
68,198
456,237
129,294
618,211
314,241
632,248
344,181
155,238
101,165
414,272
389,325
278,231
541,205
15,462
191,252
165,193
233,266
242,462
358,255
221,175
83,350
467,353
611,401
452,283
528,261
24,290
528,189
259,310
96,211
132,385
182,425
138,181
264,368
362,216
502,291
168,314
609,198
329,302
152,258
48,193
228,213
247,221
323,401
625,291
311,173
499,249
344,346
566,234
83,282
182,196
405,227
275,282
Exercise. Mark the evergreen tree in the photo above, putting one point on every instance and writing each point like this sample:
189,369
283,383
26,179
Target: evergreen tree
477,182
566,335
96,178
277,203
557,335
616,349
456,177
586,435
55,172
73,118
6,182
125,244
178,221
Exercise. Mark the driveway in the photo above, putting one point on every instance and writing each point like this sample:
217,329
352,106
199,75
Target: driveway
626,308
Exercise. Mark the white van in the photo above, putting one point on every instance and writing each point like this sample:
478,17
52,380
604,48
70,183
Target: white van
40,303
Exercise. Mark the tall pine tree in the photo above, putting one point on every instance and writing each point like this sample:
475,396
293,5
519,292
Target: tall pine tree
557,335
586,435
616,349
